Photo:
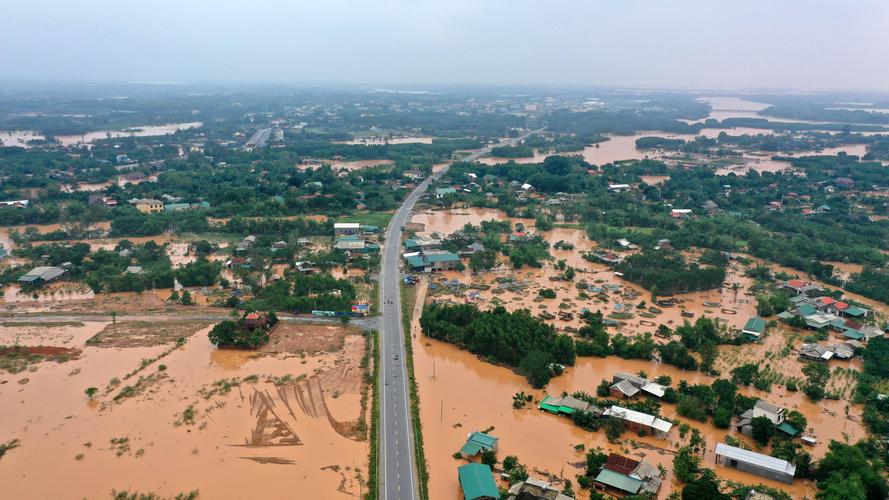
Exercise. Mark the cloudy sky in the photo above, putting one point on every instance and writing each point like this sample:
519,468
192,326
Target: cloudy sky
801,44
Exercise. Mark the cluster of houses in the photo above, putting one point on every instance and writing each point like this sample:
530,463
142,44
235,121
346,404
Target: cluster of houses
352,239
477,479
821,312
633,420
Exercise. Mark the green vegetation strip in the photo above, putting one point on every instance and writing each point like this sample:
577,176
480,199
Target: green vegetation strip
374,454
408,298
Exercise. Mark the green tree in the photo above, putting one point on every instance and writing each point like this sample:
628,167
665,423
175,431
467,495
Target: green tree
489,457
186,298
763,430
536,367
817,375
174,296
91,392
686,465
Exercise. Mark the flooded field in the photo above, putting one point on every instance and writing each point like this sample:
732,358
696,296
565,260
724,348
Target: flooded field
168,417
461,393
21,137
337,165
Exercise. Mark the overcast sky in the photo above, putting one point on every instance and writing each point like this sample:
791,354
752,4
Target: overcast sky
802,44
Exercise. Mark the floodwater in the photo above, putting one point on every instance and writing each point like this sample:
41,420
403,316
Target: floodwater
460,393
257,440
449,411
337,165
19,138
140,131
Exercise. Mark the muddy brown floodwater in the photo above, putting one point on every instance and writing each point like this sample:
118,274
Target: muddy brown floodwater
461,394
280,423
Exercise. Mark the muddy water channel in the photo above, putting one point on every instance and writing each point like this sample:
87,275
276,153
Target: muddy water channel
279,423
460,393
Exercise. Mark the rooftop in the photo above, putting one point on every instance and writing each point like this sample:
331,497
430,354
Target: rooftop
757,459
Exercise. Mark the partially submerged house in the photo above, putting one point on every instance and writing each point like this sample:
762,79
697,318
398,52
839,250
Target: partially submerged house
477,442
637,421
755,463
627,385
477,482
754,328
622,476
535,489
567,405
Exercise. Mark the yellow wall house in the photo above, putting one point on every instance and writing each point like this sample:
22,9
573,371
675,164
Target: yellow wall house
147,205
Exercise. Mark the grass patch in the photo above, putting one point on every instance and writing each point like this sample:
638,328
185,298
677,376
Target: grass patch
408,301
374,454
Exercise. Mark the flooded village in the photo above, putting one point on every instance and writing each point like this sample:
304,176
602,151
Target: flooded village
638,309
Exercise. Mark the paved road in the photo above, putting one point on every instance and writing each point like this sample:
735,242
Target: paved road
397,458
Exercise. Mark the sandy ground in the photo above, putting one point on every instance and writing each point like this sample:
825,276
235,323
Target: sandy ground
170,418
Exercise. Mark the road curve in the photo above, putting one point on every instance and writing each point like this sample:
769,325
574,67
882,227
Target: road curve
398,471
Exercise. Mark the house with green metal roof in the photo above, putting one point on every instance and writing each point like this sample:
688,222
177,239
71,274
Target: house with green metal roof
754,328
615,482
477,482
788,429
567,405
433,261
442,192
478,442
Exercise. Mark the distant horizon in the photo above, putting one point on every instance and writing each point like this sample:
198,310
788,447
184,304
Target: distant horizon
421,88
804,45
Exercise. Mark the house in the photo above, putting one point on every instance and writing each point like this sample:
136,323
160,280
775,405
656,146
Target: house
710,206
623,390
754,328
414,175
434,261
133,270
679,213
567,405
843,182
477,442
255,320
147,205
472,248
535,489
477,482
346,228
638,421
279,245
41,275
417,245
15,203
755,463
442,192
306,267
626,385
354,244
617,188
815,352
764,409
622,476
870,332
